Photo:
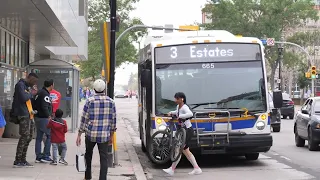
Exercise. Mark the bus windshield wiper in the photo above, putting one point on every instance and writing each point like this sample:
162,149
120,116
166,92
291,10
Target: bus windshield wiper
202,104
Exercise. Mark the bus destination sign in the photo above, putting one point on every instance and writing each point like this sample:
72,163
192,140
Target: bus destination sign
192,53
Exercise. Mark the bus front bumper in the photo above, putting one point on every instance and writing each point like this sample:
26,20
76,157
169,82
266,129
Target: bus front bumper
238,144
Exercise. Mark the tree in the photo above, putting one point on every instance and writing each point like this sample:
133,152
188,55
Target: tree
303,82
99,11
306,40
260,19
133,82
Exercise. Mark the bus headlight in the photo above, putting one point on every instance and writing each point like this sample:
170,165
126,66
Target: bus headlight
162,127
260,125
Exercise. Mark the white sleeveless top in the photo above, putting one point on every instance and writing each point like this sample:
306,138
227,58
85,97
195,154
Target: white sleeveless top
184,112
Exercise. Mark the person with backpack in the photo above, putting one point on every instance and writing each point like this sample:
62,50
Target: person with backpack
43,105
184,114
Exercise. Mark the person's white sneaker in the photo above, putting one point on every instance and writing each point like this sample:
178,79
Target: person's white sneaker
196,171
169,171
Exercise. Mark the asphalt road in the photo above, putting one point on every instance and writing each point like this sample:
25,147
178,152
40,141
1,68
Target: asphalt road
284,161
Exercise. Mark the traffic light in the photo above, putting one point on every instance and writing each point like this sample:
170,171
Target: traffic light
308,75
313,72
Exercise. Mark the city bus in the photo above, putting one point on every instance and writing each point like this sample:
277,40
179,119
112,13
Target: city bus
224,79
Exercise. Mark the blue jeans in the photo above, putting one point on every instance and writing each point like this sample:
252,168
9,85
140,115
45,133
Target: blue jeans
55,150
41,126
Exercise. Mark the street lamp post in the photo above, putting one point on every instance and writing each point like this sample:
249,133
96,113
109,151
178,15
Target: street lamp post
141,26
310,63
280,56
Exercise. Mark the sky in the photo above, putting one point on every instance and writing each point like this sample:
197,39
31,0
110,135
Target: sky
159,13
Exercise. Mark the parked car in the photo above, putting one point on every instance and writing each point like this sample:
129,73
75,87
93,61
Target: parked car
120,94
287,106
275,115
307,124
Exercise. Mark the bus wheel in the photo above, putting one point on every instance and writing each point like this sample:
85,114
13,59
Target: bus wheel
252,156
159,147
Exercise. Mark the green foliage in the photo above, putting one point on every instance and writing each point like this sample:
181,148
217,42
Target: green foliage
305,39
303,82
99,11
292,59
133,82
267,18
261,19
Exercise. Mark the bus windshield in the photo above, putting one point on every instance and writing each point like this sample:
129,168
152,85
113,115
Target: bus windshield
221,85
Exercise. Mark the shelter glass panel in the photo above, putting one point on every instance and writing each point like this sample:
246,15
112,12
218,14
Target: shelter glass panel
8,48
2,46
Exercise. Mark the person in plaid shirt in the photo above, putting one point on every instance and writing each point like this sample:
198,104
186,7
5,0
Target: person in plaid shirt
98,122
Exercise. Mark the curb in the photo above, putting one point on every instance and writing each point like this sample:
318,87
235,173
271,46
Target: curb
137,167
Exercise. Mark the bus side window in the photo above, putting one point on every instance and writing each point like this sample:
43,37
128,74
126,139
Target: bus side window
146,76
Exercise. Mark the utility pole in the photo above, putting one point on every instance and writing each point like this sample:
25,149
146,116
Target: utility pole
280,50
113,22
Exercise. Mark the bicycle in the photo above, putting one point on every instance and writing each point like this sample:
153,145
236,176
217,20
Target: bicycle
168,146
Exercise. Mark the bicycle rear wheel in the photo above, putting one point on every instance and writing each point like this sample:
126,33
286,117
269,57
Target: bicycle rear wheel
178,144
159,147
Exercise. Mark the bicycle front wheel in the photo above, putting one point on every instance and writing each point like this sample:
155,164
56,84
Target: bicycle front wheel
159,148
178,144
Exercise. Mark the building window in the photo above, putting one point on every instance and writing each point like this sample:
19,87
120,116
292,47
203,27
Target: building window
2,46
8,48
12,61
16,54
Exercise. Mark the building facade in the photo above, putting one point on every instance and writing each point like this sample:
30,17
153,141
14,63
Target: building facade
35,30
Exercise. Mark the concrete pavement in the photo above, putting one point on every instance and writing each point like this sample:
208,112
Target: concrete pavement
129,167
270,165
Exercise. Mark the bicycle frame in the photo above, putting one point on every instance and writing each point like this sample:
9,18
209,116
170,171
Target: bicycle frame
171,127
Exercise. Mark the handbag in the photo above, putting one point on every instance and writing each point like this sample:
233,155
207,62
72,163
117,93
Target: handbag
80,161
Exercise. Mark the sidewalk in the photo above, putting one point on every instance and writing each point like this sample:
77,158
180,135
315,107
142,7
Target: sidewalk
129,167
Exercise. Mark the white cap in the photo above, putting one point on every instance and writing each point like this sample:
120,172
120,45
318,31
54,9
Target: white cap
99,85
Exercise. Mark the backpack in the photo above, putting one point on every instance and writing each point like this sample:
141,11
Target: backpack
12,117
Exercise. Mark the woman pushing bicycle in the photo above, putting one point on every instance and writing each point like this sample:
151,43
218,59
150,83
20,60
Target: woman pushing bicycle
184,113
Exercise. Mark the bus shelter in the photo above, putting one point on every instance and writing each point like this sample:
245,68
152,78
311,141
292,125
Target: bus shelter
66,82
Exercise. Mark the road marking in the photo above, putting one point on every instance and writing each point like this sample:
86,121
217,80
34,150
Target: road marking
288,159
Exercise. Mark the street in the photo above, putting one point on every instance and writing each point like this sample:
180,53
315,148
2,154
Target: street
284,161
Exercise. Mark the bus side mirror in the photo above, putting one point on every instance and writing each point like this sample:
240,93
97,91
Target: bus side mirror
146,77
277,99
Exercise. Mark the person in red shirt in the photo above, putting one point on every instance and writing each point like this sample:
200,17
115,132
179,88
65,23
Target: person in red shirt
55,99
59,129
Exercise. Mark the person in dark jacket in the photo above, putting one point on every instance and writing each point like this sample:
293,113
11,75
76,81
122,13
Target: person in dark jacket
22,94
42,103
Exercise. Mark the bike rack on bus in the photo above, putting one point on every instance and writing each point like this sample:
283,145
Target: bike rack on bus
212,116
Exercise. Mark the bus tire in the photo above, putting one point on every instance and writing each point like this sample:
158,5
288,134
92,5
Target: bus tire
174,157
152,146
